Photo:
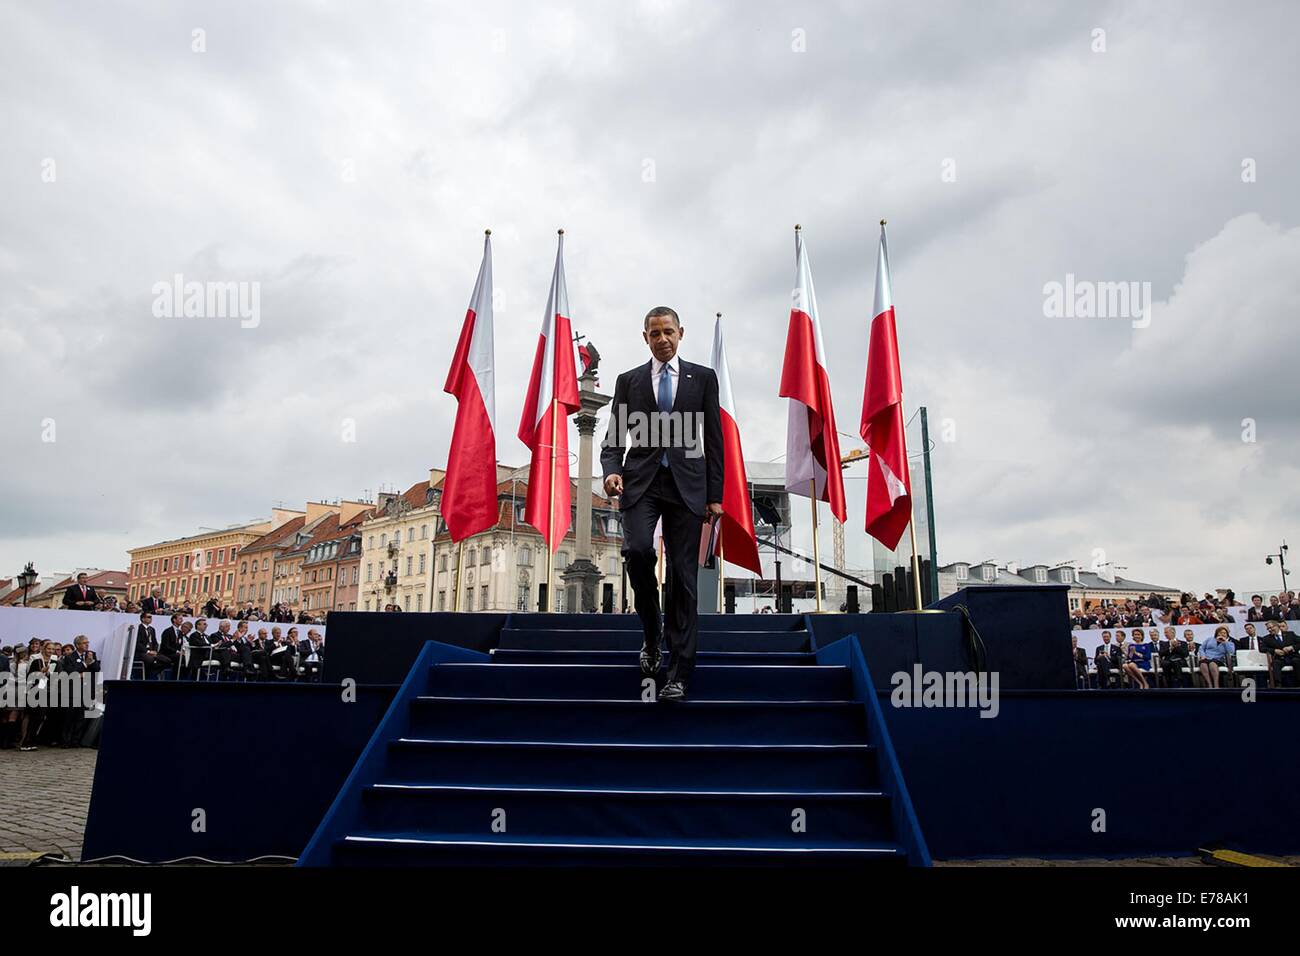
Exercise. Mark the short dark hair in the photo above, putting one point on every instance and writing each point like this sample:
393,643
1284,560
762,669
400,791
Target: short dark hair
659,310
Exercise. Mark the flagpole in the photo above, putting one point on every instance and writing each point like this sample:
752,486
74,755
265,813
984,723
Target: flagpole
817,560
911,522
550,519
460,561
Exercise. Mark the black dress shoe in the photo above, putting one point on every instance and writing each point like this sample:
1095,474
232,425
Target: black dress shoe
673,690
651,658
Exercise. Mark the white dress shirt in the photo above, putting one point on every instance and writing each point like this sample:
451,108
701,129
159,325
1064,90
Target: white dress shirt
657,369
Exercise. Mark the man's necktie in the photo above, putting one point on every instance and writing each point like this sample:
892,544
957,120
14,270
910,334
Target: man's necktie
665,404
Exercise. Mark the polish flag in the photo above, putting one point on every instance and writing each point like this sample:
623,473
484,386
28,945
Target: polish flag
469,495
736,539
812,448
551,398
889,484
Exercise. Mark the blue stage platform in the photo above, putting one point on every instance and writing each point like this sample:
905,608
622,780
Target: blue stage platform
523,739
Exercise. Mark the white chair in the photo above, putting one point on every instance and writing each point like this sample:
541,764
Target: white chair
1251,664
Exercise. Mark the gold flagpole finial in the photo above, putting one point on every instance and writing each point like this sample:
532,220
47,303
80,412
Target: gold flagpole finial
797,227
882,222
487,232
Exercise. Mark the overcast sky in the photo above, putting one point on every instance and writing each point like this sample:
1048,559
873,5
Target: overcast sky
348,156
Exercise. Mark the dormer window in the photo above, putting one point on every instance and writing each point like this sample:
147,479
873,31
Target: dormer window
988,572
1040,575
962,572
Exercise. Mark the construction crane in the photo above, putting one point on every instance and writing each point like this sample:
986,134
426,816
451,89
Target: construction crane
837,526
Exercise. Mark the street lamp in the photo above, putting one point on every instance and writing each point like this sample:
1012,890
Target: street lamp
1282,562
28,578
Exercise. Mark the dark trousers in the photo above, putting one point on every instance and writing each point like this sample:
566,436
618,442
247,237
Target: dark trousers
1290,678
682,553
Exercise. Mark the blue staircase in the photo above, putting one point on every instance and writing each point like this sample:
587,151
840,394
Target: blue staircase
552,751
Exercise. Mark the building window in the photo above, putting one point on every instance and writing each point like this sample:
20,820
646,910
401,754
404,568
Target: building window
424,531
370,576
487,556
469,599
383,540
961,572
483,598
522,603
473,559
1067,576
442,562
370,544
409,562
1040,575
367,605
241,593
525,559
419,601
422,563
410,534
561,560
988,572
230,580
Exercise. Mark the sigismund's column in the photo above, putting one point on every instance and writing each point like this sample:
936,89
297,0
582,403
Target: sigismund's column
582,577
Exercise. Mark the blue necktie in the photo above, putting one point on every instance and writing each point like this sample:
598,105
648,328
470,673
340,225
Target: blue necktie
665,403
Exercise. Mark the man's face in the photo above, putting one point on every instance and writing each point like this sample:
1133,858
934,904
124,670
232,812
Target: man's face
1257,601
663,335
146,619
1188,636
81,579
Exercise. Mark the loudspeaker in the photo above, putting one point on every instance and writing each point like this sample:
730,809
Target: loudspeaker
852,605
541,597
607,598
729,598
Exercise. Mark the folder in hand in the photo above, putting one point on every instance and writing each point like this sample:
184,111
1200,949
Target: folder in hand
709,542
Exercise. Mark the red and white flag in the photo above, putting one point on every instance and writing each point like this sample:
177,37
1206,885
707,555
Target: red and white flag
812,447
552,397
469,495
889,484
736,539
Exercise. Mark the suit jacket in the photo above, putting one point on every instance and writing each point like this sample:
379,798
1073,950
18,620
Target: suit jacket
153,606
172,642
1268,643
305,649
1173,653
631,453
72,598
75,663
146,639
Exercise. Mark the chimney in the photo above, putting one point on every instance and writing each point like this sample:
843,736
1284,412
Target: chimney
317,510
383,498
350,510
436,475
280,515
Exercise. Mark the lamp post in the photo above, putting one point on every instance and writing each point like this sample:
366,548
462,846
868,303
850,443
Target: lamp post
1281,556
27,579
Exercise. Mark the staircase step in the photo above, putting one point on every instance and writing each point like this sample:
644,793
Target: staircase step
415,849
689,721
618,681
625,639
506,655
532,812
616,765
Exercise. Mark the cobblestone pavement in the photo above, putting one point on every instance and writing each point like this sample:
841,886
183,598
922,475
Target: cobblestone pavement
44,798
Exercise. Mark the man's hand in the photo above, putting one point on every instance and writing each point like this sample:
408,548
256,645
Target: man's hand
613,485
714,509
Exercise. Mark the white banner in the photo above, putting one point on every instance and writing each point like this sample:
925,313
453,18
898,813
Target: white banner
111,636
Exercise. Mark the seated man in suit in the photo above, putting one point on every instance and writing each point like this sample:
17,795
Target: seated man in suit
1283,650
280,653
172,641
155,603
226,651
147,650
1173,659
1107,661
1080,662
311,653
200,646
79,596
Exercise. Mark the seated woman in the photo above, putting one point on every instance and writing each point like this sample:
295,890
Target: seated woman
1215,654
1138,662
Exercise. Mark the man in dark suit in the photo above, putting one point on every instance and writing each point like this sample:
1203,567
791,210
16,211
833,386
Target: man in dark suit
1283,650
155,603
80,596
172,639
1173,658
73,719
311,652
147,650
651,461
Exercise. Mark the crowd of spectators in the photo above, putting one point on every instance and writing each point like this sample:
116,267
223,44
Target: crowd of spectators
233,650
1142,644
39,720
